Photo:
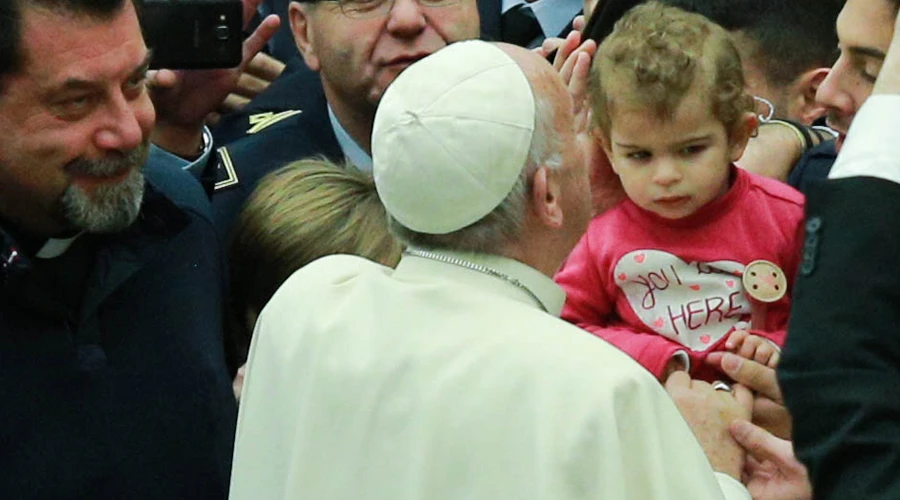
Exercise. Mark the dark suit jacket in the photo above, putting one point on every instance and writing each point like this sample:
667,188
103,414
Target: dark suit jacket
841,367
813,166
489,12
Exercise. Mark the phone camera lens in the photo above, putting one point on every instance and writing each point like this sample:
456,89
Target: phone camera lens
222,32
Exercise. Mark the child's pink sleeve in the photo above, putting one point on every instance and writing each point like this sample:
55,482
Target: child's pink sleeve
591,306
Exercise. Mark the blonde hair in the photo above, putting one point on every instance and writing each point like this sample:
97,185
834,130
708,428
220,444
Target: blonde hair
303,211
655,55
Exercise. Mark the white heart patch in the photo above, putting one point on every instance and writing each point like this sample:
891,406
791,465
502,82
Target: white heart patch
694,304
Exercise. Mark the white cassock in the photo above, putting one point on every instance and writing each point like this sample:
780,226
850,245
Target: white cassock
437,382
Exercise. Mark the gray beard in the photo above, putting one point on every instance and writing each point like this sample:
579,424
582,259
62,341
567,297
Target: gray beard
108,208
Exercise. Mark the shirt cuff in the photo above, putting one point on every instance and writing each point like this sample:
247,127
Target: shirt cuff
682,355
195,166
732,489
870,149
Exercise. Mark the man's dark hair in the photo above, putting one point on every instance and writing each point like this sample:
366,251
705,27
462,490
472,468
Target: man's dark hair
792,36
11,56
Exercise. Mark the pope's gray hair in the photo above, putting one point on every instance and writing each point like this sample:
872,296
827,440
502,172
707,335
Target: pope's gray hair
503,225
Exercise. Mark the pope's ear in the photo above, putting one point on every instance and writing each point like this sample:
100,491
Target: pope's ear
545,197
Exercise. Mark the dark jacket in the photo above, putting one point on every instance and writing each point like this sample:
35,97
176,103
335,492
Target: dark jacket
840,370
813,166
114,384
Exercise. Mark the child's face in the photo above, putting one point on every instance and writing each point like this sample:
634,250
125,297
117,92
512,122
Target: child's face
672,168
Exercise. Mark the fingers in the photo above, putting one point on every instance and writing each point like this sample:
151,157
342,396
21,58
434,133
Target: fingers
579,23
744,397
259,38
758,377
772,417
749,347
766,353
549,46
161,79
250,86
736,339
678,380
264,67
232,103
760,444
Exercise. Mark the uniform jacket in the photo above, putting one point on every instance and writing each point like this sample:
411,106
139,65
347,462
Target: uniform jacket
273,140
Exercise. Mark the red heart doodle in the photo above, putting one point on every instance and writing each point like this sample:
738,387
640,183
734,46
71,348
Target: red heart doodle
730,283
639,258
659,323
695,287
623,277
705,339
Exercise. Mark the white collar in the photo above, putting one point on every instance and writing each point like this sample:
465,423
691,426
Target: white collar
351,149
54,247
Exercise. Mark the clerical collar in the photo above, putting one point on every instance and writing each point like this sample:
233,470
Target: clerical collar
351,149
503,273
42,248
553,15
54,247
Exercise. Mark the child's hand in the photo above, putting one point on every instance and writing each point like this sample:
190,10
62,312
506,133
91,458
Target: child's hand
753,347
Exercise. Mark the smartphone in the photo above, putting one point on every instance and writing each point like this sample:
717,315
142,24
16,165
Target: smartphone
193,34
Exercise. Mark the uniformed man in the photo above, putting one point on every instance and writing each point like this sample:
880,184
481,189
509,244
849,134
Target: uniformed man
355,50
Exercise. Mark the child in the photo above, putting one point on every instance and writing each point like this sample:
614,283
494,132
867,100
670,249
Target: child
660,274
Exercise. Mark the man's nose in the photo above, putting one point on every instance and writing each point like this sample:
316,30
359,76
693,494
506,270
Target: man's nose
122,129
406,18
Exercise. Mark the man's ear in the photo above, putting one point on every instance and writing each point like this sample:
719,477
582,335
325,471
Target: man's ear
299,16
545,197
740,135
803,106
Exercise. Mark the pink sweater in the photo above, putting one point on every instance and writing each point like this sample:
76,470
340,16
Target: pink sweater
652,286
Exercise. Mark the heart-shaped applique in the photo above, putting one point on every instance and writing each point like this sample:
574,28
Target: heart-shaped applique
685,302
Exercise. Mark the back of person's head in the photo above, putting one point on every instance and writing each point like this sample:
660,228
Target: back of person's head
303,211
11,12
790,36
456,140
655,55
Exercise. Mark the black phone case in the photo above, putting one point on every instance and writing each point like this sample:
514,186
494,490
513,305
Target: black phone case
193,34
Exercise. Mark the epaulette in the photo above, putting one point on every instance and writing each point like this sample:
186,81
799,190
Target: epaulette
225,175
261,121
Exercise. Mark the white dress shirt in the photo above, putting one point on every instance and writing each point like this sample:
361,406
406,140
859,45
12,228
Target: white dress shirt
871,147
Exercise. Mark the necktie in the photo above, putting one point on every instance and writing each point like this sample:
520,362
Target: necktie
518,25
